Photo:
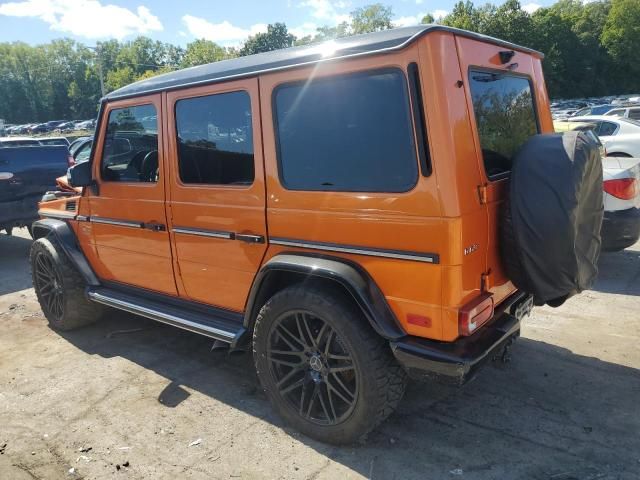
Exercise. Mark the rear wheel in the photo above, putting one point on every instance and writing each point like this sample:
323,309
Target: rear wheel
323,368
60,288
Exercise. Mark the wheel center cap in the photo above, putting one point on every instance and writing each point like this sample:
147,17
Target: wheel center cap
316,362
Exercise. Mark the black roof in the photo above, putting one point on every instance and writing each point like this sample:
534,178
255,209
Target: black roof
369,43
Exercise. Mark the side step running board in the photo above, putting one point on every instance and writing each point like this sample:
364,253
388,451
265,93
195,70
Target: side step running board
221,327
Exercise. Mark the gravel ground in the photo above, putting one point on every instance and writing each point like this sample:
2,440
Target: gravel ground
155,402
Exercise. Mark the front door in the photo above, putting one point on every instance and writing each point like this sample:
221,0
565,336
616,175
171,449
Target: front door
216,191
127,206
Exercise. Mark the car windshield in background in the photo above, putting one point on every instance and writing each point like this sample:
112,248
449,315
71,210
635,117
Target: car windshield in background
505,116
631,121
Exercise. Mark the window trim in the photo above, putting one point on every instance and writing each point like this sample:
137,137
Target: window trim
178,177
479,69
358,73
104,141
419,119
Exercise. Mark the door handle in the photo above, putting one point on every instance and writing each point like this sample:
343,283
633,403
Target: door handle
249,238
153,226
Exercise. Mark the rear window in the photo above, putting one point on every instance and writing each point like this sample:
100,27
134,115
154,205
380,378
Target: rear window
348,133
505,117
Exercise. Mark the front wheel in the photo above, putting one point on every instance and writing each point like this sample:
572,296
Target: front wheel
60,288
324,369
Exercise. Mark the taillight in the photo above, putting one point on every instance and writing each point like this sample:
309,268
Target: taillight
71,161
475,314
623,188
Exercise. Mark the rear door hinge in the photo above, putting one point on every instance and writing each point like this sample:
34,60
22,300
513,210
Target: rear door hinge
482,194
485,281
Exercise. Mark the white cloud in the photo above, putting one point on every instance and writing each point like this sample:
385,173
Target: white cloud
531,7
86,18
409,20
307,28
418,2
327,10
224,33
416,19
439,14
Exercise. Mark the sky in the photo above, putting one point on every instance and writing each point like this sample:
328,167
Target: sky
227,23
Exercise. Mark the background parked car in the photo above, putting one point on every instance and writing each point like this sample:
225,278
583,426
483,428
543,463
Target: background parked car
18,141
627,112
594,110
621,185
620,136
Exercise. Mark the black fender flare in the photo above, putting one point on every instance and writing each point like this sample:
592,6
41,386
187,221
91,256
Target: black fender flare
350,276
67,240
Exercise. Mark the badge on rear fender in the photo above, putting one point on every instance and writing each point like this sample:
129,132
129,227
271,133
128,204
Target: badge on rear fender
471,248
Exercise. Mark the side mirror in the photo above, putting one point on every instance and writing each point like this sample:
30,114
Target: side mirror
80,175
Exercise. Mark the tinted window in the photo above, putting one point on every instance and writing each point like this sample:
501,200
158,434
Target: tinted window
215,139
83,153
505,117
130,152
634,113
346,133
607,128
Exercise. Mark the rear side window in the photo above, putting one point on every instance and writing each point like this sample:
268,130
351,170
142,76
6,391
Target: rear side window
616,112
505,117
215,139
348,133
607,129
634,113
130,152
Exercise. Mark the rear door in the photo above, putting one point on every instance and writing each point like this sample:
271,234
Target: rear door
216,191
508,103
127,206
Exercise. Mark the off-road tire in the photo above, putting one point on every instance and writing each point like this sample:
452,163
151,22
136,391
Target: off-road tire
381,380
76,310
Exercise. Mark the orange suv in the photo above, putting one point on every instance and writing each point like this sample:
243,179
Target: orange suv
334,208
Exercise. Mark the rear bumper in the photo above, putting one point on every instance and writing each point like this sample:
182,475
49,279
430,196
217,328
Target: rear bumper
457,362
620,229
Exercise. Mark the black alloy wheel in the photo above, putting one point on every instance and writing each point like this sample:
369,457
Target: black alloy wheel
48,283
312,368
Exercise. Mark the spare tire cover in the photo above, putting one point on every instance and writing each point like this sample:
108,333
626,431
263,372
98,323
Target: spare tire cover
550,237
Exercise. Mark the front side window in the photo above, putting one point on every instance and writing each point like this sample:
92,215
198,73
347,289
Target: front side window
349,133
215,139
130,152
505,117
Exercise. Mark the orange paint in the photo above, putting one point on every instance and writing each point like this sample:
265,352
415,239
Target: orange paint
453,212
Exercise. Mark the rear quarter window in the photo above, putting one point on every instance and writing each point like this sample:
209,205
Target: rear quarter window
505,117
346,133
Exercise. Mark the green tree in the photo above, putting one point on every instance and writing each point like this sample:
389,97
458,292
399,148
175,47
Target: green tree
371,18
621,38
277,36
203,51
428,18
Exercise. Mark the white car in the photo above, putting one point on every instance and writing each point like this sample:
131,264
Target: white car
620,136
621,185
621,223
626,112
